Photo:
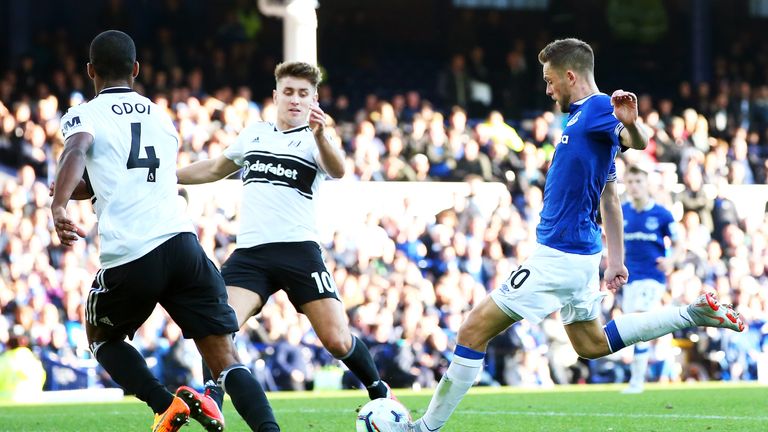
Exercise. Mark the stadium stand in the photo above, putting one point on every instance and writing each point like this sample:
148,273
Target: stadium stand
462,186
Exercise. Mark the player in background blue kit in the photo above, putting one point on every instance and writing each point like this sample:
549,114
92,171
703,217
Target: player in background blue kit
647,227
563,272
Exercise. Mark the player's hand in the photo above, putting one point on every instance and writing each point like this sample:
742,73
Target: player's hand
665,264
316,119
67,231
616,277
624,106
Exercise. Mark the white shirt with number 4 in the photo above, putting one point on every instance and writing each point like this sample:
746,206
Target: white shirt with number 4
132,170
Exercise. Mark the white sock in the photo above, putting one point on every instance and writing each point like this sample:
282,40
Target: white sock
639,365
458,379
631,328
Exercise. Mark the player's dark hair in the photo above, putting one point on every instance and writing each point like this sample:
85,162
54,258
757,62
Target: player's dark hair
634,169
569,53
113,54
302,70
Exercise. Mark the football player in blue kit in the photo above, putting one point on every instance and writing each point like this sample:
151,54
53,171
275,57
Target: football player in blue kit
647,227
562,274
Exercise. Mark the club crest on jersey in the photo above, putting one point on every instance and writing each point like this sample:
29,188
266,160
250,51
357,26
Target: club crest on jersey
652,223
572,121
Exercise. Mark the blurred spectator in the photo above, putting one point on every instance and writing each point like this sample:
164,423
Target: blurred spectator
21,372
453,84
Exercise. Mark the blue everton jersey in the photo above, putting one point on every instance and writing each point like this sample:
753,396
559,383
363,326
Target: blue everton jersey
644,233
582,164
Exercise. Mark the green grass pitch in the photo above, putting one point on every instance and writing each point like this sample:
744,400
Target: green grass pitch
679,408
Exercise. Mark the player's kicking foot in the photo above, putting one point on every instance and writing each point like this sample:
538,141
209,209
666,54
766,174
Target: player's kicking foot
417,426
708,312
202,408
176,416
381,390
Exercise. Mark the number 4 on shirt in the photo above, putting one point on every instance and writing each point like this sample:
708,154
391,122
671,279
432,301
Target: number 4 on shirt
150,162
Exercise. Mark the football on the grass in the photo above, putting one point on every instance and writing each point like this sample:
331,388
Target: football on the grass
382,415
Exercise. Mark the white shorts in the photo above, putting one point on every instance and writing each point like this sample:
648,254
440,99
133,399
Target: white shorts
642,295
551,280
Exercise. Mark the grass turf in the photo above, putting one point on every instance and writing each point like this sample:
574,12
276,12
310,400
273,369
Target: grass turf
680,408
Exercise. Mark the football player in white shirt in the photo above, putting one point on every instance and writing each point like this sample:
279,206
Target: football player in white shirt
148,250
277,247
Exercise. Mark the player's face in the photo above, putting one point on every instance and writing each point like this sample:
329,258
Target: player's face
557,87
637,186
293,97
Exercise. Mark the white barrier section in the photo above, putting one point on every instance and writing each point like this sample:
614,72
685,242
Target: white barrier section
344,203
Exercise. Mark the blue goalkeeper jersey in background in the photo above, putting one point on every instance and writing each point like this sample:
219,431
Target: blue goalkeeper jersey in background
644,233
582,164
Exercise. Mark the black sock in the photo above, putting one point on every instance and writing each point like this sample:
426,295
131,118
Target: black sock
248,398
360,362
214,391
129,369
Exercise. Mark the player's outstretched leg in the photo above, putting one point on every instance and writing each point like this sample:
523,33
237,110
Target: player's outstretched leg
328,318
202,408
484,322
458,379
129,370
248,398
359,360
706,311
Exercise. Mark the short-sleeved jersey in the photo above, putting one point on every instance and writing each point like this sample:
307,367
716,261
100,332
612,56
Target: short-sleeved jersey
644,233
281,175
581,166
132,170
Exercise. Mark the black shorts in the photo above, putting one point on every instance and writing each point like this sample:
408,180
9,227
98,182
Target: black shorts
178,275
296,267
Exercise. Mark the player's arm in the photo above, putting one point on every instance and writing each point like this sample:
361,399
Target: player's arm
625,110
616,274
68,177
331,157
81,191
206,171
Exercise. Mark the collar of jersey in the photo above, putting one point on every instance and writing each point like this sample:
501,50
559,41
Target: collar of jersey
287,131
584,99
116,90
649,205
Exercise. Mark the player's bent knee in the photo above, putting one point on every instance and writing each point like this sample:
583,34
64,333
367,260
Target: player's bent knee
338,345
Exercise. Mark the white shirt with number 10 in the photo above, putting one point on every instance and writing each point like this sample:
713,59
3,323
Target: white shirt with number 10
281,176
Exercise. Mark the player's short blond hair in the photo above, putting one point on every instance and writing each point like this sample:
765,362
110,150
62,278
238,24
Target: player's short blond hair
569,53
302,70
